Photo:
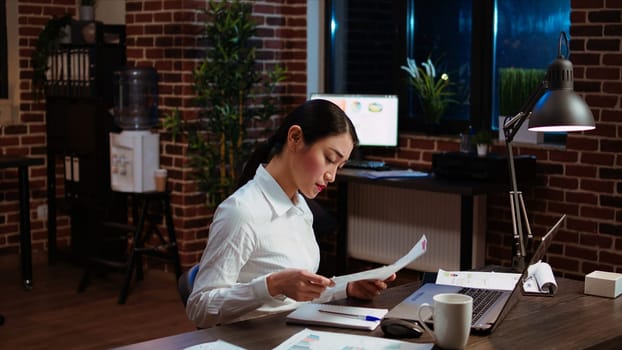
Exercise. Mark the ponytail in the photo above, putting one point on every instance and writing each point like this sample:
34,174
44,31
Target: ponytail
260,155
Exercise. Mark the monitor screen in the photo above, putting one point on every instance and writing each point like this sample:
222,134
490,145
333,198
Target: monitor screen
373,116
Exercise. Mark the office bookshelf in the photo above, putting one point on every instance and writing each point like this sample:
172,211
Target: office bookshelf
78,96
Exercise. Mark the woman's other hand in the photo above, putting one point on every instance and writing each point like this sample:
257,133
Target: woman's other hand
300,285
368,289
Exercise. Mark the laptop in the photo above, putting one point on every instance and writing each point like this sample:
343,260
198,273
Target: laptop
495,304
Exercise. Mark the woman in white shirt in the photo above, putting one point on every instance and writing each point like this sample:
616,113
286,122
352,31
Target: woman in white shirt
261,255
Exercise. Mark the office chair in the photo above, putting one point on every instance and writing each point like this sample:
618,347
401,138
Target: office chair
186,282
323,221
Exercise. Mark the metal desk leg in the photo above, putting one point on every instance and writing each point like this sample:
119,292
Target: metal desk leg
466,232
51,196
342,230
24,226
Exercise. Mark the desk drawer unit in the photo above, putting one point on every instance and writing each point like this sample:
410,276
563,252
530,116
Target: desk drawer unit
385,222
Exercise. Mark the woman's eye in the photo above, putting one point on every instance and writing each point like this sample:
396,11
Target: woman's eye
329,160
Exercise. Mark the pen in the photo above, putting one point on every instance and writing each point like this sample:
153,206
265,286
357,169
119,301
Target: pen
360,317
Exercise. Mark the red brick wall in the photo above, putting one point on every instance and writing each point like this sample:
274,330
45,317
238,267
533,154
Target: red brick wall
582,180
585,180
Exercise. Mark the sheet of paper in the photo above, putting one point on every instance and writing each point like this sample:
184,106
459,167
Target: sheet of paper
319,340
540,279
384,272
476,279
214,345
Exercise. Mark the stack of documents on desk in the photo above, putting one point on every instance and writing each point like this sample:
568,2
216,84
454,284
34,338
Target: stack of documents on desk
386,174
337,316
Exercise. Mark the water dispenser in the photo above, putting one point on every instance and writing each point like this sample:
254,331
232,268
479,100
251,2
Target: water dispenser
135,152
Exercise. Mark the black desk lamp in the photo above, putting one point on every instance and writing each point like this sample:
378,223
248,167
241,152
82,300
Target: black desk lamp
553,106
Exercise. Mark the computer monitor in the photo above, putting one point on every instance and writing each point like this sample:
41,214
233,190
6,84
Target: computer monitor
373,116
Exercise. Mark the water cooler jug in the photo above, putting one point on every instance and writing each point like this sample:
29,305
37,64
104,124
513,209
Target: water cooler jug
135,152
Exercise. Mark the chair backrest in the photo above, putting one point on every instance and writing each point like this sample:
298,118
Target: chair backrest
186,282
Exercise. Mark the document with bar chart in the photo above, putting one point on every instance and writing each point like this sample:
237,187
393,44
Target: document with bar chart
308,339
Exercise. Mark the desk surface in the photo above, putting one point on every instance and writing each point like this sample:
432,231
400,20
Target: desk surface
10,161
426,183
569,320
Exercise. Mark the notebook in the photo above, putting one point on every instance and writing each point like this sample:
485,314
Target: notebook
495,308
337,316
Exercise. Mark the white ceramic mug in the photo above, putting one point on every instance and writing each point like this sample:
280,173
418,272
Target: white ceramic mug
451,316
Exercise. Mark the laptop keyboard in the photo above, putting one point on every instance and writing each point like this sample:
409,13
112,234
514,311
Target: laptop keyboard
482,299
365,164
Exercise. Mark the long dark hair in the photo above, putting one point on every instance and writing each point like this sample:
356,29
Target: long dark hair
318,119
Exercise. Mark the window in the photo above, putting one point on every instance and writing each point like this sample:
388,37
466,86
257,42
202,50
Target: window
520,27
368,41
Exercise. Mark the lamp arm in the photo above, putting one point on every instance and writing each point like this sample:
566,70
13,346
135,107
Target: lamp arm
510,128
517,206
512,125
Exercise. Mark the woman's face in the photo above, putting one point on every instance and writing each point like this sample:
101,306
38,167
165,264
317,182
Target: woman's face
316,165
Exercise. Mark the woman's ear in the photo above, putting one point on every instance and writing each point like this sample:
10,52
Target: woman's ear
294,136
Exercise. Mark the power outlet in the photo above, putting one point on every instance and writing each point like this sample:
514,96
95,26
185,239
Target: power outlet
42,212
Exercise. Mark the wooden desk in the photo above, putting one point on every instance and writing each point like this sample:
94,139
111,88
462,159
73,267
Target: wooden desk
569,320
22,164
385,194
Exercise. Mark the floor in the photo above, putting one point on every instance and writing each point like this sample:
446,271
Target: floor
54,316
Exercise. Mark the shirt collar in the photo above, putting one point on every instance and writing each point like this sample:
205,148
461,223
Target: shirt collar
275,195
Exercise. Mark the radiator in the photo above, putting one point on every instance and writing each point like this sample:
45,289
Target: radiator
385,222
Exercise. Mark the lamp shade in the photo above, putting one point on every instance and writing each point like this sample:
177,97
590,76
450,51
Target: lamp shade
561,110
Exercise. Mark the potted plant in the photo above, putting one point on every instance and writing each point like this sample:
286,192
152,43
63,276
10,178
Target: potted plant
232,92
482,139
430,88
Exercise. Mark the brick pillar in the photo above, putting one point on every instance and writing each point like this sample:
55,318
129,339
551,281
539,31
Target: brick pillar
166,35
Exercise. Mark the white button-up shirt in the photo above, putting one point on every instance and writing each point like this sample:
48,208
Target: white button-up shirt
255,232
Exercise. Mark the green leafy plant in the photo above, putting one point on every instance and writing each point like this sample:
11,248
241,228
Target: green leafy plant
515,87
432,90
482,137
46,44
232,93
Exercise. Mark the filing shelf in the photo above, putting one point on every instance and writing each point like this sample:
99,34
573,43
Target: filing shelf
77,126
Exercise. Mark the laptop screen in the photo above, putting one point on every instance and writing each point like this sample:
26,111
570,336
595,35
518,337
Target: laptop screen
544,245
